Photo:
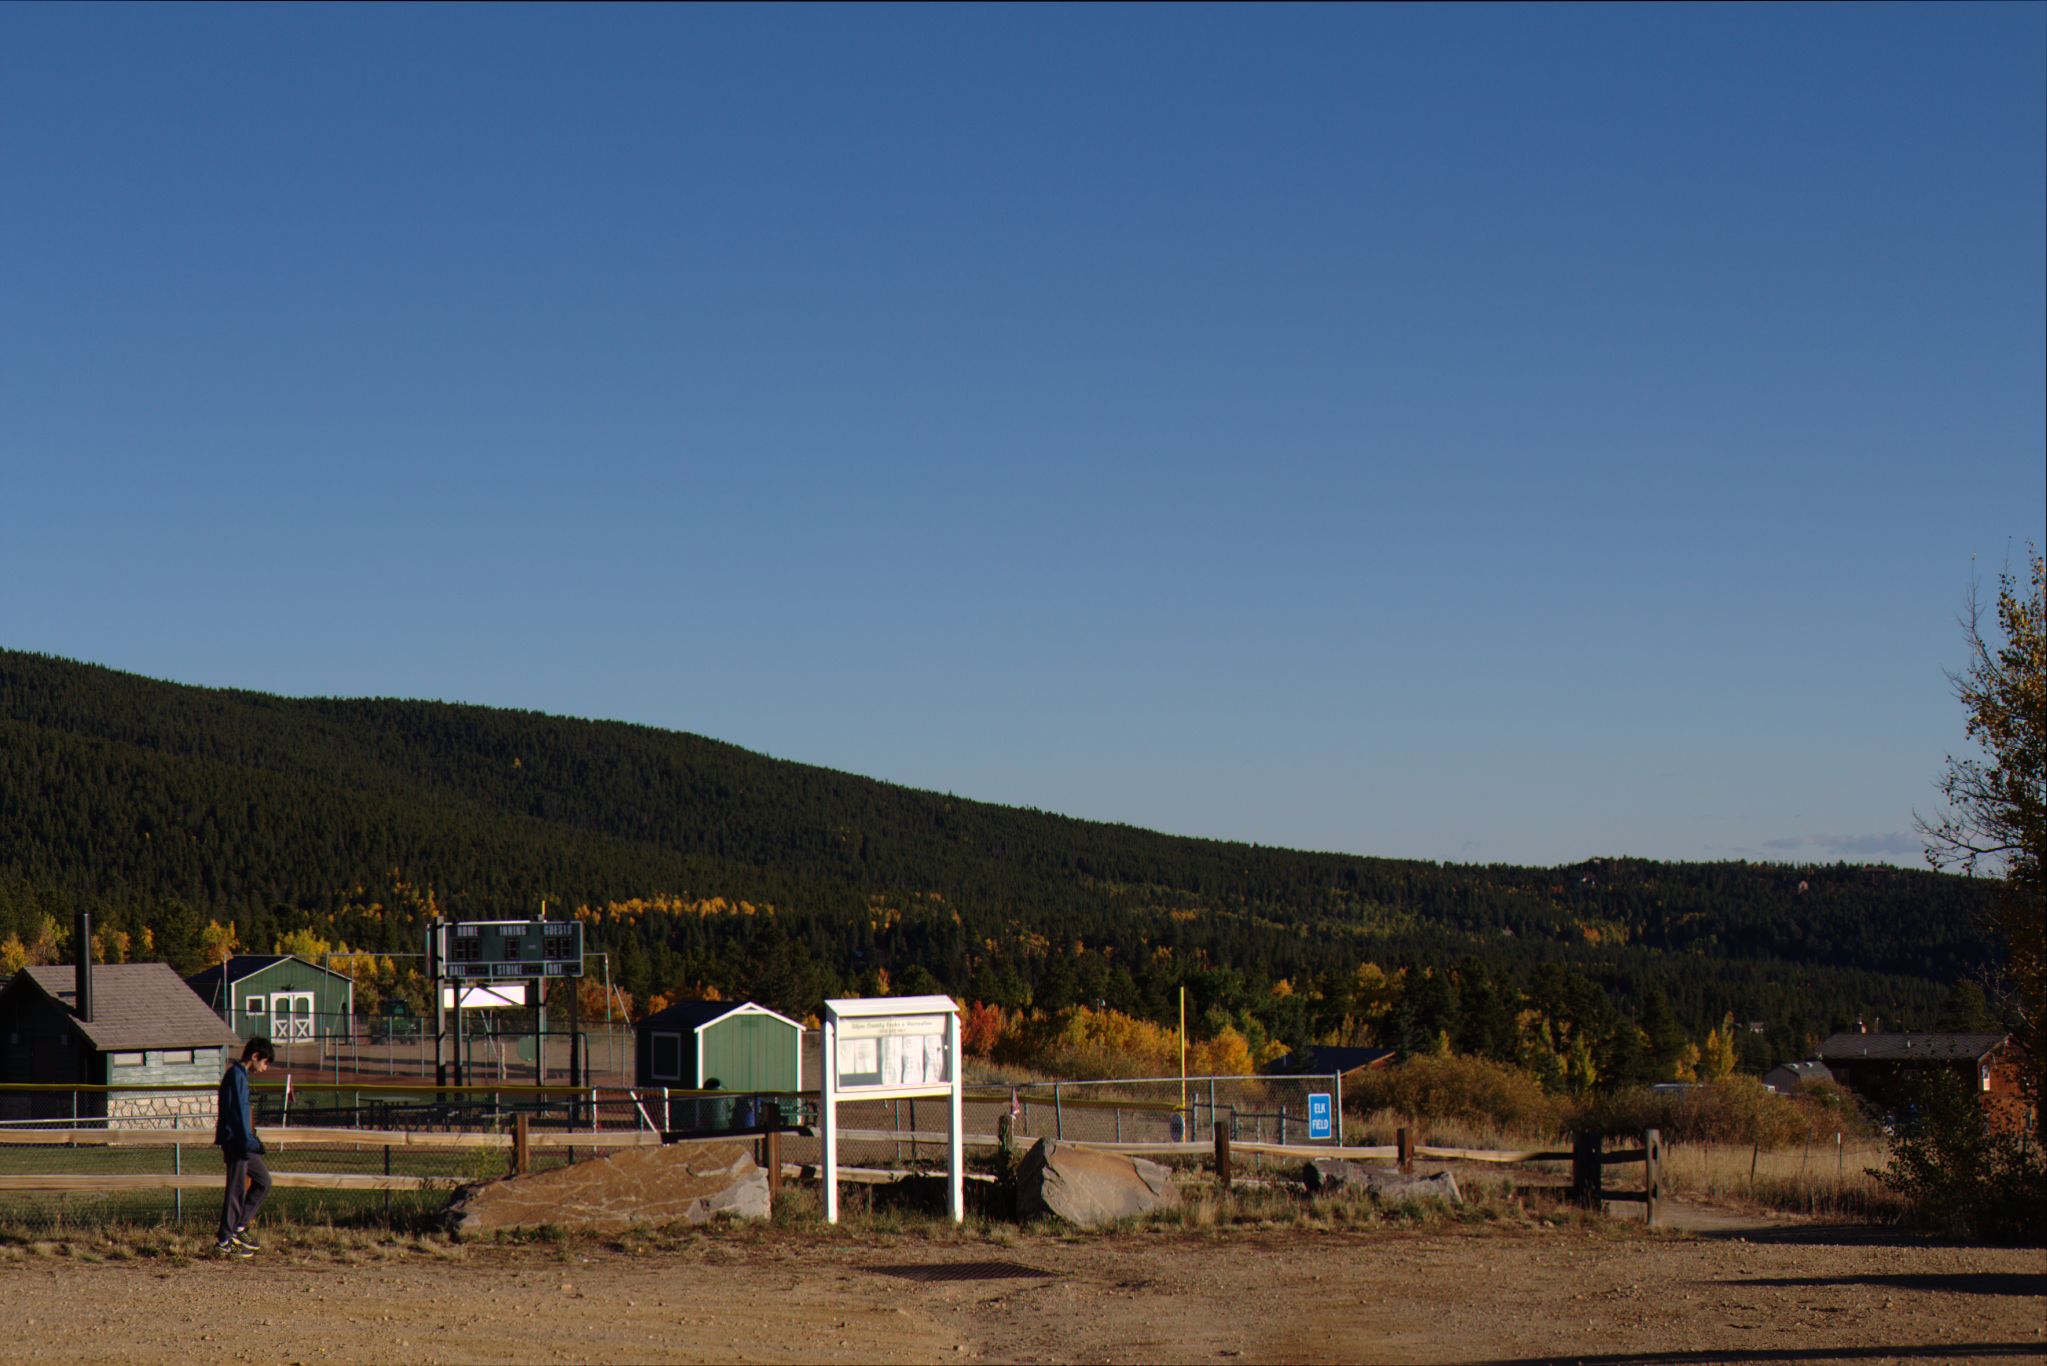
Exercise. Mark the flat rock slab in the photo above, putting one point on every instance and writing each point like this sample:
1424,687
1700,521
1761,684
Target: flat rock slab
1327,1175
1088,1186
679,1183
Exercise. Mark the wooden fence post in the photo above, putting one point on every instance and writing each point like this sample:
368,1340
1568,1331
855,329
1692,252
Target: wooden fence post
1403,1148
1585,1168
1652,1172
774,1147
522,1143
1222,1153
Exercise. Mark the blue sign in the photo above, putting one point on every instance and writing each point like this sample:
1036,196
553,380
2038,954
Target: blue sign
1318,1115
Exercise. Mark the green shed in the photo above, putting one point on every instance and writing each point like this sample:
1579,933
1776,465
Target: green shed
742,1047
278,997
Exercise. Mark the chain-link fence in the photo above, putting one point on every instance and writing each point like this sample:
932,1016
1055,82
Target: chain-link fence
385,1155
481,1046
152,1181
1174,1109
143,1155
913,1133
373,1103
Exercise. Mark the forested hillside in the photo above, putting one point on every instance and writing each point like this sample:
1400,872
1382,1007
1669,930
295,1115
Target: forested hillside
182,815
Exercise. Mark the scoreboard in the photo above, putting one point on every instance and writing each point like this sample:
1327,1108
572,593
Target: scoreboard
509,950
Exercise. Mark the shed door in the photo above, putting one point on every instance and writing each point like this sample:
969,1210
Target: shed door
750,1053
291,1014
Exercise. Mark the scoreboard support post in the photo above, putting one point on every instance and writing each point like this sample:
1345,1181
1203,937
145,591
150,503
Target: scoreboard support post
539,1034
468,953
575,1038
433,963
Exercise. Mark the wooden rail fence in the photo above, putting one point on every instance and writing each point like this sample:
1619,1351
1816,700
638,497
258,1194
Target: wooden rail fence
279,1140
1590,1159
280,1144
1589,1156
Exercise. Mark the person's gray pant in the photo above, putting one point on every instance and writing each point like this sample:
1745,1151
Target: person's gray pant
248,1181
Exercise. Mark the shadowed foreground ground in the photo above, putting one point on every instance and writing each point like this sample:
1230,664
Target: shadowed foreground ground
1611,1294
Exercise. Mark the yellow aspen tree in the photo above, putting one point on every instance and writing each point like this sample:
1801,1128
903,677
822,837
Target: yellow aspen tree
1717,1063
220,942
1581,1073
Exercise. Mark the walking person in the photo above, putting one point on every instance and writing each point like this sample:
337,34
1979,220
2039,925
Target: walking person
248,1179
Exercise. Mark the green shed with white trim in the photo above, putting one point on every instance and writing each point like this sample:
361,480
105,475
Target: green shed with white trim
278,997
743,1047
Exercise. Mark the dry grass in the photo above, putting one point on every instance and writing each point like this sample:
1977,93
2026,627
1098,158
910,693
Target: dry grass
1381,1127
867,1216
122,1243
987,1072
1825,1178
1206,1206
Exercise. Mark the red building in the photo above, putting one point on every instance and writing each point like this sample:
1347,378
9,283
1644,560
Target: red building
1882,1068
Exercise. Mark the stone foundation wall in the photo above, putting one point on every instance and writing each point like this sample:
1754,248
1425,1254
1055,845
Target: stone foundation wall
160,1109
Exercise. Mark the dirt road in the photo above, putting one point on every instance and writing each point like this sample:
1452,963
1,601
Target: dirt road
1606,1294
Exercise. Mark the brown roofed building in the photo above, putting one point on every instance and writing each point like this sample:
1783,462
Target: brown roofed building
108,1024
1882,1068
1786,1078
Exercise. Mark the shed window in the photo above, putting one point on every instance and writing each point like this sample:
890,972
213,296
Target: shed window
667,1057
177,1055
125,1059
254,1005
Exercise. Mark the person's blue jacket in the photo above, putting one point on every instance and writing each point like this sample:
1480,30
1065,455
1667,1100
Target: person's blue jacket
232,1130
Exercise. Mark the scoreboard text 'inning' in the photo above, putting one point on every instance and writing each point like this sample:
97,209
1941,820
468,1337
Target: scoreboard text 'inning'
511,950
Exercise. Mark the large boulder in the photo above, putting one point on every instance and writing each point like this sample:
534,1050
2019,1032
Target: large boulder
679,1183
1088,1186
1326,1175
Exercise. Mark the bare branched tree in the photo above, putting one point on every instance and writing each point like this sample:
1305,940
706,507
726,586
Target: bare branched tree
1995,821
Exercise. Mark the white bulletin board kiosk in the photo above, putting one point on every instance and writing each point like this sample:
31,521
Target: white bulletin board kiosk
891,1048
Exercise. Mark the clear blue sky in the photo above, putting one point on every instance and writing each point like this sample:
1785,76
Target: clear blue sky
1461,433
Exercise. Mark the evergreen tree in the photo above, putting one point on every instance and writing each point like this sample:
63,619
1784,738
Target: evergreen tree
1665,1041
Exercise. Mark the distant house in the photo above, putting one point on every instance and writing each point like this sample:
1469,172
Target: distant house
278,997
1881,1068
1324,1060
108,1024
1786,1077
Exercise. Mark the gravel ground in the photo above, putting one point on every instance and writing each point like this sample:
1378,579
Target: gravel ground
1601,1292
